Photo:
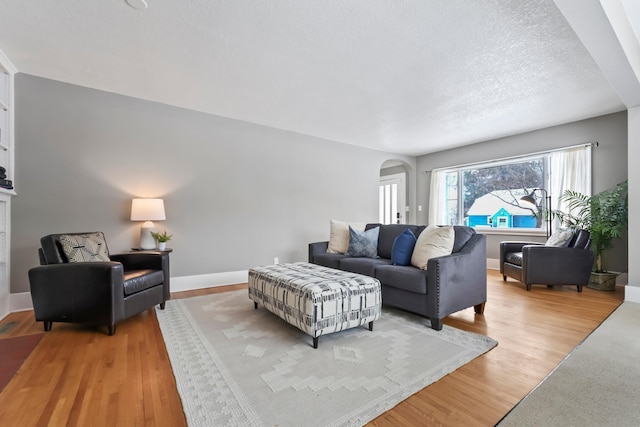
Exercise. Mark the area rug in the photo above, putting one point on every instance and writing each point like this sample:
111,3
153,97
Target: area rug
598,383
235,365
14,351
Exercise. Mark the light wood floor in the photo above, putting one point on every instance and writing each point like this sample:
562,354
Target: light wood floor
79,376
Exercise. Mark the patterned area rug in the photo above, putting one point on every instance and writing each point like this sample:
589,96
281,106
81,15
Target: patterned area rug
235,365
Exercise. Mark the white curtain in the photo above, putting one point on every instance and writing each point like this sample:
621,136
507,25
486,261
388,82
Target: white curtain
438,197
569,170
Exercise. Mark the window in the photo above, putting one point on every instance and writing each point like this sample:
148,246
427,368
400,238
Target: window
488,195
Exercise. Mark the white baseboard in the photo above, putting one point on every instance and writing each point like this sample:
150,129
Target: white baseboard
21,302
632,293
493,263
189,283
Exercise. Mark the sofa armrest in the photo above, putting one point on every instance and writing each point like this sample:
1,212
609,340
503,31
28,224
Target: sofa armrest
508,247
552,265
317,248
460,279
87,291
147,260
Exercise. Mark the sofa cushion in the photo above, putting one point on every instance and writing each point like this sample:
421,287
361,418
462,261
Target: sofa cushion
432,243
514,258
366,266
402,248
403,277
139,280
560,238
462,236
388,234
363,243
339,236
85,247
329,260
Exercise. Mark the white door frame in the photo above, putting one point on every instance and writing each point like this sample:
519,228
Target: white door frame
387,204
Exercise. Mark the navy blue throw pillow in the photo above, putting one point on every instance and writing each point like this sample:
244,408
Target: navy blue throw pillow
402,248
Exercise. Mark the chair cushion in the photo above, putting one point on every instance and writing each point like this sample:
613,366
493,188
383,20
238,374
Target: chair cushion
514,258
363,243
402,248
407,278
85,247
139,280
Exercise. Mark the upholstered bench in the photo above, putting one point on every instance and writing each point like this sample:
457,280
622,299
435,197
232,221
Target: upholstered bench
315,299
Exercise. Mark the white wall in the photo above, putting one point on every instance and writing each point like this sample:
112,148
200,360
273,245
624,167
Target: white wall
632,291
236,194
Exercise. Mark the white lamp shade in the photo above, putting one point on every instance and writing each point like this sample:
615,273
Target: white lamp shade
147,210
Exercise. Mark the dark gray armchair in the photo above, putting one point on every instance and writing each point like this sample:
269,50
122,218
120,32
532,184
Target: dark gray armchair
536,264
100,293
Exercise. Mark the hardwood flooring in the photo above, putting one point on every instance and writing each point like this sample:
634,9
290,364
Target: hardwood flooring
80,376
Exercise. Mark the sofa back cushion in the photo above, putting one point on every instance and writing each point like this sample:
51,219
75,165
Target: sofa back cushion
463,234
388,234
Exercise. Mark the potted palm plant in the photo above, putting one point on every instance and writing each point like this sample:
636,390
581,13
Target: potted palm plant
605,216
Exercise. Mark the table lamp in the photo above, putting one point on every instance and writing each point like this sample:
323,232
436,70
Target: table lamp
147,210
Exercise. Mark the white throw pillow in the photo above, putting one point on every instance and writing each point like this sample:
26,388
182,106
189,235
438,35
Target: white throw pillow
433,242
339,236
561,238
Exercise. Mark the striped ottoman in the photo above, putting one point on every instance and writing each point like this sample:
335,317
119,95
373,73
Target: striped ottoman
315,299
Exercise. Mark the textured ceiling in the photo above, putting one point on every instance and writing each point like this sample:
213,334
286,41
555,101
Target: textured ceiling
410,77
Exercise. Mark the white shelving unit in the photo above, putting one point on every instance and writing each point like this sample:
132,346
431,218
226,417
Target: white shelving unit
7,119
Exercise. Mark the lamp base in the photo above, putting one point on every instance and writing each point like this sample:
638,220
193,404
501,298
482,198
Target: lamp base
146,239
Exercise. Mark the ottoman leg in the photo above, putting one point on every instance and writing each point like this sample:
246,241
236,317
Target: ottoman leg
315,342
371,326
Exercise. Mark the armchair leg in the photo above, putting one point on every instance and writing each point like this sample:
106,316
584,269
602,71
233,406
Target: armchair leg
479,308
112,330
528,286
47,325
162,305
579,288
504,278
436,324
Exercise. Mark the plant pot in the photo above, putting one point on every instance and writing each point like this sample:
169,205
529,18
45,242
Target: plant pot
162,246
602,281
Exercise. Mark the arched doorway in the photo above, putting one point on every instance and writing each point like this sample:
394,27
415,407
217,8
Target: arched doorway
393,189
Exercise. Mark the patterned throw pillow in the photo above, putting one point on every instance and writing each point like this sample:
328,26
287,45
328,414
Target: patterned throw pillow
402,248
433,242
363,243
84,247
339,236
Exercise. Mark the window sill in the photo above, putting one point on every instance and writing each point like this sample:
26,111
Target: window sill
511,231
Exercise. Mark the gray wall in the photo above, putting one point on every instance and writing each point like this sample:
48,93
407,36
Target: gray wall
236,194
609,165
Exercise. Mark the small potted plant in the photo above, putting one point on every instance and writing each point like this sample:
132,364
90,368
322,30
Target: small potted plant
605,216
162,239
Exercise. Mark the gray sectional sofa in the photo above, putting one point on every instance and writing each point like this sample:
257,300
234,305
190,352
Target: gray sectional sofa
451,283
